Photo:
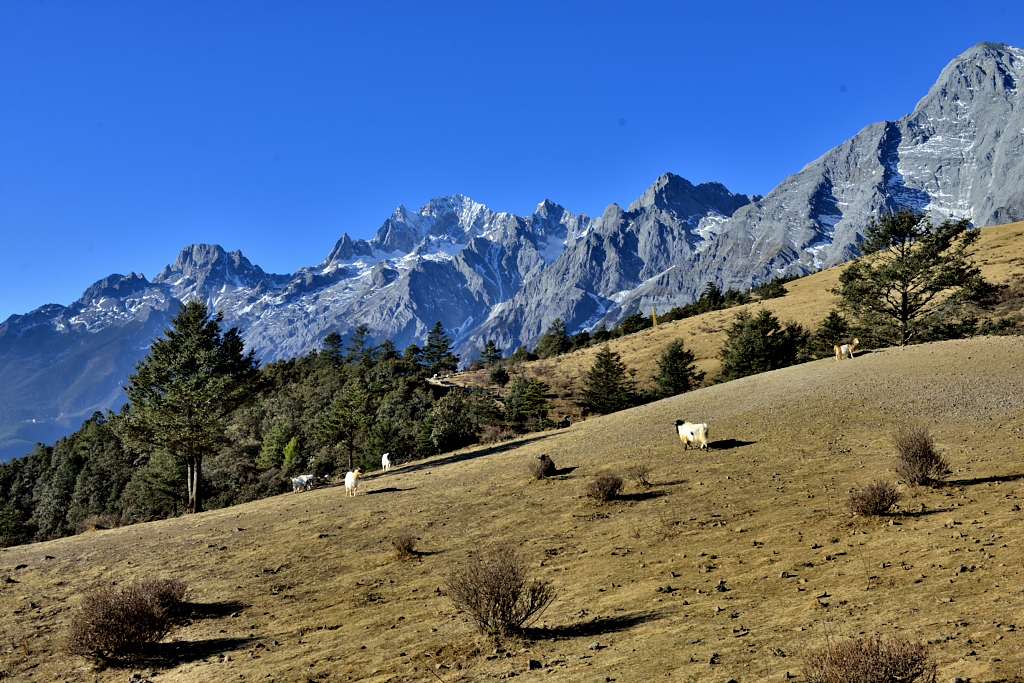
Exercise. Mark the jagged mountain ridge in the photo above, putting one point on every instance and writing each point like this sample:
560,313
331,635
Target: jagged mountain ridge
488,274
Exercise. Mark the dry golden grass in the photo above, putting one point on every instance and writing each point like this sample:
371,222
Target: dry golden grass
734,564
1000,253
745,555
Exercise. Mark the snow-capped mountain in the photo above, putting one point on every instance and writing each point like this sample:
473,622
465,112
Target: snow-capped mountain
487,274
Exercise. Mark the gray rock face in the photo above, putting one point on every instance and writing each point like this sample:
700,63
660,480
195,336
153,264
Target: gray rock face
488,274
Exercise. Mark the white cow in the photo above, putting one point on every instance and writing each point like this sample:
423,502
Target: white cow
385,462
352,481
303,482
693,434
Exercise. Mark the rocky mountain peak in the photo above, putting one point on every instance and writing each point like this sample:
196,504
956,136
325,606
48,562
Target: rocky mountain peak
209,264
115,286
678,195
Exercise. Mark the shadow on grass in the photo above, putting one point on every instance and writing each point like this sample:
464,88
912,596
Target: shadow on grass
563,471
672,482
642,495
389,489
997,479
726,444
918,513
210,610
595,627
168,655
459,457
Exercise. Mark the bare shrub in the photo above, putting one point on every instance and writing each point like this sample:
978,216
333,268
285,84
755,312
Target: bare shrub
542,466
640,473
918,462
115,623
494,433
495,589
876,498
871,660
604,487
98,523
404,544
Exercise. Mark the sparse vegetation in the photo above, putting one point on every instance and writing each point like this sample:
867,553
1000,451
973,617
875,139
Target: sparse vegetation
114,624
871,660
640,473
494,588
404,544
918,461
876,498
604,487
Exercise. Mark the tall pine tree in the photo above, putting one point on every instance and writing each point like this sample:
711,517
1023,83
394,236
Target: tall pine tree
608,385
437,354
677,372
182,393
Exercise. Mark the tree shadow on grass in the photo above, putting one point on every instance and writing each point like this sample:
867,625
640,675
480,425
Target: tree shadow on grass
563,471
727,444
640,496
470,455
169,655
996,479
672,482
594,627
918,513
389,489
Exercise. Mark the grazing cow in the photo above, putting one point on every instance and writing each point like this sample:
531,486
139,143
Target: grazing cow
693,434
846,350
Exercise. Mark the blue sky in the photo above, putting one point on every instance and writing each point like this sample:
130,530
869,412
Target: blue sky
129,129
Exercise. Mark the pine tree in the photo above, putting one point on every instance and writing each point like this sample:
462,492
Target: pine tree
677,372
437,354
491,354
912,271
345,422
555,341
182,393
608,385
332,349
272,451
526,404
291,455
760,343
499,375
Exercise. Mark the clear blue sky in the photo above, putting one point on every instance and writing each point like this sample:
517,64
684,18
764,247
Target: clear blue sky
130,129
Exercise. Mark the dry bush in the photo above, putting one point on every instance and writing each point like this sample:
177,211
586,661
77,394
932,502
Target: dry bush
115,623
495,589
871,660
918,462
604,487
404,544
640,473
542,466
494,433
98,523
876,498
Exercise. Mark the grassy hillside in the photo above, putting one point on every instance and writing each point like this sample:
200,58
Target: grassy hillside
305,586
1000,253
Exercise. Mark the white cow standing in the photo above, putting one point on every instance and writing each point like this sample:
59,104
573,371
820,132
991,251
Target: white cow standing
693,434
385,462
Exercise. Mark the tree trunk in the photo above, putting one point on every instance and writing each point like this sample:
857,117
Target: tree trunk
188,487
195,477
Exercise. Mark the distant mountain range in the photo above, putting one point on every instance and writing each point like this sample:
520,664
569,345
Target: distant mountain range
495,275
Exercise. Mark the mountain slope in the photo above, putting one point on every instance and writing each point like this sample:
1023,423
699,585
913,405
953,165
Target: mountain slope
495,275
746,551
